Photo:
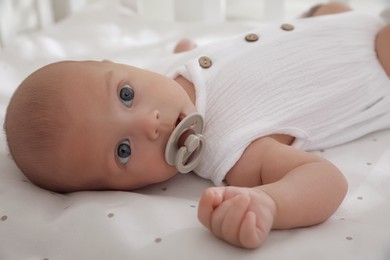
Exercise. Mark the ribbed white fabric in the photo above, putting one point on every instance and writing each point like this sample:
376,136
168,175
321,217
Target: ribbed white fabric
321,83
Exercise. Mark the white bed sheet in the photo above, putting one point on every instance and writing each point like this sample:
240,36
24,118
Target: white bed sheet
160,222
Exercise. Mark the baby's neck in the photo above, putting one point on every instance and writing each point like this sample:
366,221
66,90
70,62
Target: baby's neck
187,86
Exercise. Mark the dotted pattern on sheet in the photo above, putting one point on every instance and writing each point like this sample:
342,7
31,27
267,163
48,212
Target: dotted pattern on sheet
7,216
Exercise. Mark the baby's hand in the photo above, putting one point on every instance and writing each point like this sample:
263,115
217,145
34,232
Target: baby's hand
241,216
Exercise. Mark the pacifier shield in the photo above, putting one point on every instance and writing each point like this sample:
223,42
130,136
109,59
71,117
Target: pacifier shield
186,144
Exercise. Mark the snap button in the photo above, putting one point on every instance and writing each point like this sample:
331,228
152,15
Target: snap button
205,62
287,27
252,37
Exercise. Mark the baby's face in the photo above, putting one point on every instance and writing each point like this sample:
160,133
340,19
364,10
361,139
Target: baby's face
120,119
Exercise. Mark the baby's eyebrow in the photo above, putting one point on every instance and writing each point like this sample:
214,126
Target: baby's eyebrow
108,79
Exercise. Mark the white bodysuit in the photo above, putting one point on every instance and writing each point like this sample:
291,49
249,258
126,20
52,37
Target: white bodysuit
320,82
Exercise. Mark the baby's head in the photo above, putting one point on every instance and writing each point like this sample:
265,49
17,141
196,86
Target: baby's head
92,125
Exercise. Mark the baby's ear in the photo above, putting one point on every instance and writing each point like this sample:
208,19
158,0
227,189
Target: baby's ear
109,61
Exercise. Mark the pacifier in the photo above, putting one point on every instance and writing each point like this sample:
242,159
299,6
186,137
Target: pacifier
186,144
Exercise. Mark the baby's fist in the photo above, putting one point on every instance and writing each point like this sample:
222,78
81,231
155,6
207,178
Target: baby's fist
240,216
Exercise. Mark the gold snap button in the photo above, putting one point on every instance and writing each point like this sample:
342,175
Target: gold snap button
287,27
205,62
252,37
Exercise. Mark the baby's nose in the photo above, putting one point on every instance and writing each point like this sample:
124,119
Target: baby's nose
151,124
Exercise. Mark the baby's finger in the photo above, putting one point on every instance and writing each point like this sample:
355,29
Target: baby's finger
250,235
210,199
220,214
233,218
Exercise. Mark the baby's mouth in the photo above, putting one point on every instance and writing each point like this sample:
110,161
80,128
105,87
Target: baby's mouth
179,119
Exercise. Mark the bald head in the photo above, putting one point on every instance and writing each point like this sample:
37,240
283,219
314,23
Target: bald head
33,124
36,124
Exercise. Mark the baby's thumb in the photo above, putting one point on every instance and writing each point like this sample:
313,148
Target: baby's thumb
209,201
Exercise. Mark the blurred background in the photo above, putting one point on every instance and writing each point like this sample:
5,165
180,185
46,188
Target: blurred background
18,16
293,8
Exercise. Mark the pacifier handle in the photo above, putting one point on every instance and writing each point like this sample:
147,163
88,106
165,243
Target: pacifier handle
187,156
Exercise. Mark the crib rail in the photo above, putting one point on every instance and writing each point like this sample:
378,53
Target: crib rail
18,16
206,10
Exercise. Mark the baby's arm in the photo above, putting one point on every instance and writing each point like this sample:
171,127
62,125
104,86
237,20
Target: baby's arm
287,187
291,188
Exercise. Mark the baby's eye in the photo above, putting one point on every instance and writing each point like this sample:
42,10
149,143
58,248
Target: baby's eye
123,151
126,95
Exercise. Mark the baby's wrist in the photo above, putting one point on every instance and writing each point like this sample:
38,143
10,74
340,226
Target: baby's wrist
269,202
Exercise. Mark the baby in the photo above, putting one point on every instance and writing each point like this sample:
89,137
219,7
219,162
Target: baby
266,97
